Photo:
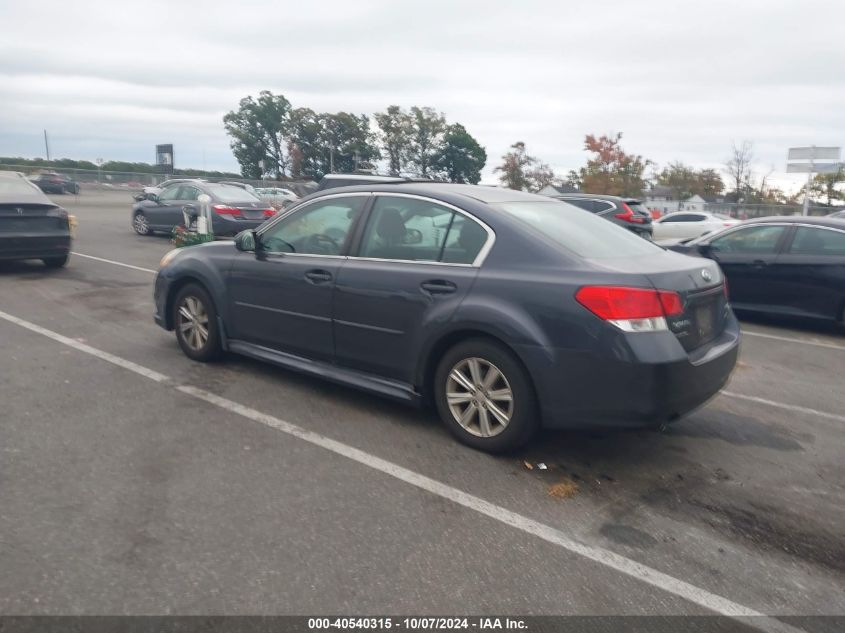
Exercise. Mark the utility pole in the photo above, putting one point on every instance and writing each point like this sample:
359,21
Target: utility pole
46,145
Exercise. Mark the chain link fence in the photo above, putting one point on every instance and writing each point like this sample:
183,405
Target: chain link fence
743,211
134,182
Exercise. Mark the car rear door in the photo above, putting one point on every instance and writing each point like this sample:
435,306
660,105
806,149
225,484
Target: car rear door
810,272
746,256
400,281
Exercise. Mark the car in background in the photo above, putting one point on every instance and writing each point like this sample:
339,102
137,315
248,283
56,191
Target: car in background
243,185
628,213
51,182
792,265
31,226
686,225
837,214
279,197
157,189
233,209
506,310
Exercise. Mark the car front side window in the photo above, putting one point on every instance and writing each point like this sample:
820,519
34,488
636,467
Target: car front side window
171,193
321,228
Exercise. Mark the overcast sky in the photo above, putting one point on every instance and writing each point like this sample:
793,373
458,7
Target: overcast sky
680,79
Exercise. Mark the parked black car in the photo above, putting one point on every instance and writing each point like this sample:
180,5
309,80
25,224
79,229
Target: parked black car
507,310
31,226
55,183
628,213
781,265
234,209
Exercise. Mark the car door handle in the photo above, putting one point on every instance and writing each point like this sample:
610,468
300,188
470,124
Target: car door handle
318,276
438,287
759,263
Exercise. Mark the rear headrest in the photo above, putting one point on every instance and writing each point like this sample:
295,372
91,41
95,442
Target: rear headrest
391,226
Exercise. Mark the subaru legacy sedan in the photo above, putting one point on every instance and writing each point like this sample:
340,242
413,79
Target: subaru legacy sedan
506,310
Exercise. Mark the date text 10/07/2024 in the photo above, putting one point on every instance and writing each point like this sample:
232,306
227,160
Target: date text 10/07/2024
418,623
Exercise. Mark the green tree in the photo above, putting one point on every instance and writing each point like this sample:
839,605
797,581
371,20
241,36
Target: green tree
260,131
427,128
610,170
685,181
460,158
824,185
395,129
514,168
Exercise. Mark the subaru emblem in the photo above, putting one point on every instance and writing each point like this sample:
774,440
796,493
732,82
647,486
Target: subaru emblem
705,275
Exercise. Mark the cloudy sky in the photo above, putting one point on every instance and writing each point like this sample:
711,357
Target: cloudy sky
682,80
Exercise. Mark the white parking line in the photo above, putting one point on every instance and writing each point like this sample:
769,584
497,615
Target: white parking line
612,560
111,261
783,405
789,339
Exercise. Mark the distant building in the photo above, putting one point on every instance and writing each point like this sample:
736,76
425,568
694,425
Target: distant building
553,190
662,199
695,203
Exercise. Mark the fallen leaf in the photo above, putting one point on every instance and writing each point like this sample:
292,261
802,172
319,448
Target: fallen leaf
563,489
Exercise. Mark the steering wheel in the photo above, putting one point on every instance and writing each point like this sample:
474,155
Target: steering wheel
322,241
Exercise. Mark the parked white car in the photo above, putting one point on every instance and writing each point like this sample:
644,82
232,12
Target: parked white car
684,225
277,196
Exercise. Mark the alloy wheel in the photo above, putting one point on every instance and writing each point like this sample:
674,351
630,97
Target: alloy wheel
193,323
479,397
142,226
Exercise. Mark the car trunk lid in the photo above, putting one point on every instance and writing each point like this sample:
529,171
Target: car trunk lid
699,283
25,217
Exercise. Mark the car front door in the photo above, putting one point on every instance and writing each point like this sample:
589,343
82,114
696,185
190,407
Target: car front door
811,272
281,295
746,256
416,261
165,212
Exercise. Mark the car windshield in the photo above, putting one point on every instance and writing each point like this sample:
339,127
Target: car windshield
228,193
577,230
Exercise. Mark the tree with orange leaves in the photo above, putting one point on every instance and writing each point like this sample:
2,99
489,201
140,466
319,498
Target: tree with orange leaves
610,170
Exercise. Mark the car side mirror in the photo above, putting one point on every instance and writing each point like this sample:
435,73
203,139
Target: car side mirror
153,197
246,241
706,249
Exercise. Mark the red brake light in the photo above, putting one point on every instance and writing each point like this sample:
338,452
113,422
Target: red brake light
629,215
222,209
269,213
631,309
727,295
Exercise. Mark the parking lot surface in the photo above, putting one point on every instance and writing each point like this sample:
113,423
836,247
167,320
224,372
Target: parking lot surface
125,488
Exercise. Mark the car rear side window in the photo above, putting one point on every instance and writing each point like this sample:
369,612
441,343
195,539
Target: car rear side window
760,240
812,241
584,234
412,229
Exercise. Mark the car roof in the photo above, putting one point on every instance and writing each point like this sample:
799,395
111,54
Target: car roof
799,219
481,193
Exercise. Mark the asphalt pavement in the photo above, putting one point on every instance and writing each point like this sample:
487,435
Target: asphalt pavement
126,488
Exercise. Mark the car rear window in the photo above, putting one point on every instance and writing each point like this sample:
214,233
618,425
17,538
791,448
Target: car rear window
228,193
15,186
579,231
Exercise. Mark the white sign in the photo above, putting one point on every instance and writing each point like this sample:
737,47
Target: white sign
813,168
814,153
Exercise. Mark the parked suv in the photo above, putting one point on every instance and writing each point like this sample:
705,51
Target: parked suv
626,212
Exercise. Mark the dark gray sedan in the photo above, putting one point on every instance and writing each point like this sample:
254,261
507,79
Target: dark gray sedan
507,310
31,226
233,209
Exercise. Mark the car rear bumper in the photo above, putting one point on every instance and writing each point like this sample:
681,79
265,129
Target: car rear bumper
652,382
24,246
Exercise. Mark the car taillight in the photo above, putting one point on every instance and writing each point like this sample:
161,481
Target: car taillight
269,213
727,294
222,209
629,216
631,309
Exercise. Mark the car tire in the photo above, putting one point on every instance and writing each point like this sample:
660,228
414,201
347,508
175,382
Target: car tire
141,224
493,412
56,262
195,322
